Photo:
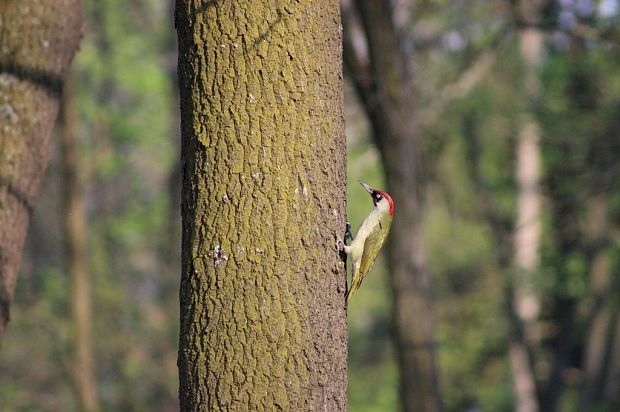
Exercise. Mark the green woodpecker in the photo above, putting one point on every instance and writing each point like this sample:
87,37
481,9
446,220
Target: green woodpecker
370,237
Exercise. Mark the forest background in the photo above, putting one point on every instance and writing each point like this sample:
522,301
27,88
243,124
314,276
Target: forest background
493,106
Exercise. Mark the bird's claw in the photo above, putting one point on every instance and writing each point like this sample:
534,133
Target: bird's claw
339,245
348,233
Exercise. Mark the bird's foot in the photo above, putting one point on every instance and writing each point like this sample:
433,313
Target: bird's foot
348,234
340,245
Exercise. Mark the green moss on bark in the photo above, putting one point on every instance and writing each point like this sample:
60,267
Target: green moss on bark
263,322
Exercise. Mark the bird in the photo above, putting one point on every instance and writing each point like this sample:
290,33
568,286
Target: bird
371,235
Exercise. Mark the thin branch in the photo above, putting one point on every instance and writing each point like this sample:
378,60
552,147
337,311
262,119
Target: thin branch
387,60
355,65
368,63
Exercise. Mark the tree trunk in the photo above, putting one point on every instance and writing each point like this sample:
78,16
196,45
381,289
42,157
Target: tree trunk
612,381
527,229
172,248
37,41
263,319
385,87
410,276
602,311
75,251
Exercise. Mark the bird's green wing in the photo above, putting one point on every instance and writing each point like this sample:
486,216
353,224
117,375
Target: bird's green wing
372,246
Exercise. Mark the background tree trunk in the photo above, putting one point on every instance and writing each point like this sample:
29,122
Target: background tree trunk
75,252
613,374
386,90
598,342
263,320
527,228
37,41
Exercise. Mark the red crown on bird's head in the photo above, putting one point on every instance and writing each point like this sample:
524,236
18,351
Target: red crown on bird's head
387,197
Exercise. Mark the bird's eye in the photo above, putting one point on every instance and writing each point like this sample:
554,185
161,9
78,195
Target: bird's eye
378,196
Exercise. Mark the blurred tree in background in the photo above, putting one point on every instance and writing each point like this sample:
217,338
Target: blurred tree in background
74,227
125,103
523,261
37,42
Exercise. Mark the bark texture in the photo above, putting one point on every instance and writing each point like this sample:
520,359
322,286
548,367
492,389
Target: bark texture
385,86
37,41
75,254
263,320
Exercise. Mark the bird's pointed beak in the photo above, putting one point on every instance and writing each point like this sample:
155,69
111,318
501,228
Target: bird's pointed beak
368,188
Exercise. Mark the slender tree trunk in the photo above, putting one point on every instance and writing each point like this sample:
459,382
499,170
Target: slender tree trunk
612,381
75,250
263,319
526,240
172,249
410,276
599,337
603,308
37,41
528,227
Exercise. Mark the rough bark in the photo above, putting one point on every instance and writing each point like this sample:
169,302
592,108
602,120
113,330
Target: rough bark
37,41
385,87
263,320
75,251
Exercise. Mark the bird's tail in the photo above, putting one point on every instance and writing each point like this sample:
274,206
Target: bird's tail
356,282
